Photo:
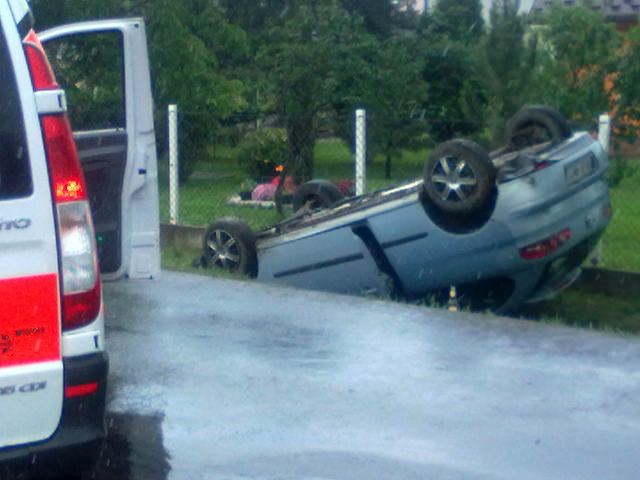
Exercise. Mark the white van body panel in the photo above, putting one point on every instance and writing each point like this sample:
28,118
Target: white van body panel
19,8
31,391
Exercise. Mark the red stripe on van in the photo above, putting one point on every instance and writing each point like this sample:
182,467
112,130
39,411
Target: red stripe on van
29,320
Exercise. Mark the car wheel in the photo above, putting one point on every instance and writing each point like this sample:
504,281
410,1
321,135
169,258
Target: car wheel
459,178
536,124
315,194
230,244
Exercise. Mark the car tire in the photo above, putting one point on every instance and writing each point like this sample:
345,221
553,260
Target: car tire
459,178
536,124
230,244
315,194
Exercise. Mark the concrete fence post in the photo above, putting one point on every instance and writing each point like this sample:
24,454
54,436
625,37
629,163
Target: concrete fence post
604,131
361,151
174,193
604,136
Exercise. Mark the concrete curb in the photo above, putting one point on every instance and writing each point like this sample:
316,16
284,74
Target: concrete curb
610,282
592,280
181,236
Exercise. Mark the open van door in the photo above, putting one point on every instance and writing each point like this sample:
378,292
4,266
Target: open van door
104,68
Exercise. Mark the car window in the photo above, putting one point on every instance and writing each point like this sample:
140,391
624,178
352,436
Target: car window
15,173
89,68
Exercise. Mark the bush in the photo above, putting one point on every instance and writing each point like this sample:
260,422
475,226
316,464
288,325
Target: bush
261,151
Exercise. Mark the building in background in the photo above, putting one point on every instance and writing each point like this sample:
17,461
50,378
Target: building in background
422,5
624,13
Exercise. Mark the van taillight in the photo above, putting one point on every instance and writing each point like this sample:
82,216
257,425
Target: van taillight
81,288
42,75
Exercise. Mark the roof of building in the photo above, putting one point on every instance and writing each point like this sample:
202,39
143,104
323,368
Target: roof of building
613,9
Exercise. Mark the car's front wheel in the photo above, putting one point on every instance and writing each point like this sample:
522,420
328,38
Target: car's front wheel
230,244
459,178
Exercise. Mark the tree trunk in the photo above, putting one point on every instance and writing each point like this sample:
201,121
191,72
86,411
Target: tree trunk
387,163
302,138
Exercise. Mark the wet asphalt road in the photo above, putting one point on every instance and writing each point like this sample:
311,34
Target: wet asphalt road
217,379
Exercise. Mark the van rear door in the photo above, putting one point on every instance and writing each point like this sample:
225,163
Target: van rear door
104,68
31,373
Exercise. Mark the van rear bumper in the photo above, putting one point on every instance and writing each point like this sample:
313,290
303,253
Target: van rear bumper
78,439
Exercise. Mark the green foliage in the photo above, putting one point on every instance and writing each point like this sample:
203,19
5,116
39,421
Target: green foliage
262,150
318,58
580,51
394,109
627,86
377,14
457,20
453,90
454,97
308,64
509,58
193,48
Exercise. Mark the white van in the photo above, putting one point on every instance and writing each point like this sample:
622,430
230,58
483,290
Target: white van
53,191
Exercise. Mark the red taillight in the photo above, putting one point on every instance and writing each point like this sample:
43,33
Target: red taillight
42,75
545,247
75,391
81,300
67,179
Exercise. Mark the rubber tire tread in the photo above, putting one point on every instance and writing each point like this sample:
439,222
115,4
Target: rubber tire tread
326,194
554,121
245,239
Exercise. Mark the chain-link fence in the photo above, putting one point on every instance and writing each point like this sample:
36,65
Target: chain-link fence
235,167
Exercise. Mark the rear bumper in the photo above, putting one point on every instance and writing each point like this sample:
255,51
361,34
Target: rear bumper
82,424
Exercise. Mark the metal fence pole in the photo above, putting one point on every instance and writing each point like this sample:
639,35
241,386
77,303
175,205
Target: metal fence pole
604,131
604,134
361,150
174,194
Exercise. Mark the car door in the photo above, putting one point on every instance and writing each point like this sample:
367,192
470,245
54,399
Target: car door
104,68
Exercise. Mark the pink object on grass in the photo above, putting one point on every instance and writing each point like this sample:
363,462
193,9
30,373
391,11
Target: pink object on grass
264,191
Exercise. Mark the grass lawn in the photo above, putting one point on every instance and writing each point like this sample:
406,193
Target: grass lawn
203,197
588,310
620,245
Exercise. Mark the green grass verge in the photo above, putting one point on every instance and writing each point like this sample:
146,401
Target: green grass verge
620,242
588,310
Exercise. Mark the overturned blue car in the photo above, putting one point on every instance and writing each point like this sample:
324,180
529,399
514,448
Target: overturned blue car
504,228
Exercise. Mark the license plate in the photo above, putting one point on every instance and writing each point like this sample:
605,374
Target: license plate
579,170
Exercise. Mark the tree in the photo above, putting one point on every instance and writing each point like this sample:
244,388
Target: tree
510,59
580,52
193,51
450,68
394,97
377,14
457,20
627,86
319,57
453,90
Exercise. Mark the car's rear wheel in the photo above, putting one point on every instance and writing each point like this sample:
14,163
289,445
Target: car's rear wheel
230,244
315,194
536,124
459,178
